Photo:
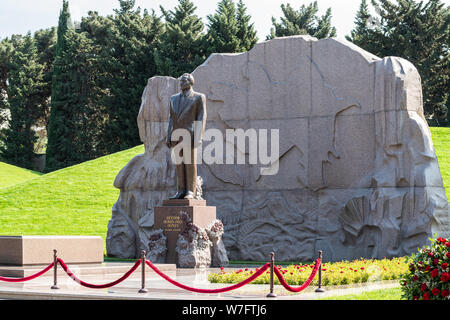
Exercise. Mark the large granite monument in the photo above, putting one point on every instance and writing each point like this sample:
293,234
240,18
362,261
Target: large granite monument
358,175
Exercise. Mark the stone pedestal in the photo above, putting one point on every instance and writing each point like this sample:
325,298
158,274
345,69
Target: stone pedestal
38,250
168,219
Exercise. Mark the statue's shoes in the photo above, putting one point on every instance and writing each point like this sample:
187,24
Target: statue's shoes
189,195
179,195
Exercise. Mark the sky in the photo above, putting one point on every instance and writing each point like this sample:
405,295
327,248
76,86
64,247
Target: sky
21,16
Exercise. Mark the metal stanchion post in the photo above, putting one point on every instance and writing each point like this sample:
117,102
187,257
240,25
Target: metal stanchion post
320,289
55,270
272,263
143,290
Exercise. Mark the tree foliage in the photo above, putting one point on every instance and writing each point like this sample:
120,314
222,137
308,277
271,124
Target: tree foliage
182,43
229,29
418,32
25,88
304,21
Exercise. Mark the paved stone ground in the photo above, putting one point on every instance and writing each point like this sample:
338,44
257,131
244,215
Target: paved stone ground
160,289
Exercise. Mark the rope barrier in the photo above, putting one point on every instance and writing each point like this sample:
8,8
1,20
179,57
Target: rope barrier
220,290
34,276
175,283
304,285
95,286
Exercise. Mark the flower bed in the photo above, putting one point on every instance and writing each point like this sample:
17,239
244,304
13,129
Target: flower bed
429,273
337,273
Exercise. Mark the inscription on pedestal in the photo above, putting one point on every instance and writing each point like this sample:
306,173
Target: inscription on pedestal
172,224
168,218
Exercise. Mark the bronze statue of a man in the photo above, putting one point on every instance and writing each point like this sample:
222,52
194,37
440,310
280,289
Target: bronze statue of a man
187,112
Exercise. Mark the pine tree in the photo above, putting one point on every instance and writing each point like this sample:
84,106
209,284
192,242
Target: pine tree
223,29
126,62
6,50
419,33
229,29
303,21
45,43
182,47
246,31
25,86
60,134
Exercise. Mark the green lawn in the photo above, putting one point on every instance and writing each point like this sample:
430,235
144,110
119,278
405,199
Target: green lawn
11,175
383,294
441,141
72,201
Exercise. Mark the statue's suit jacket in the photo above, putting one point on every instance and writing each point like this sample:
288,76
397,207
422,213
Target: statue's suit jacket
182,115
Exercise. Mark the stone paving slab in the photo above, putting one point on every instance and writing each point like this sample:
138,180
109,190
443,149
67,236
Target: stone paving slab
160,289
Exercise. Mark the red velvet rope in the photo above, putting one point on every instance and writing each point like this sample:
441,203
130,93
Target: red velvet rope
34,276
304,285
95,286
220,290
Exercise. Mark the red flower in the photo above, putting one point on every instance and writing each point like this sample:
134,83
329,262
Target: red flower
445,277
430,254
441,240
435,262
448,254
435,291
434,273
415,278
423,287
428,268
445,293
447,244
426,296
415,298
444,265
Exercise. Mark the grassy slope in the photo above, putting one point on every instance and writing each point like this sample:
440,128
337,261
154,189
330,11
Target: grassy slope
441,141
73,201
11,175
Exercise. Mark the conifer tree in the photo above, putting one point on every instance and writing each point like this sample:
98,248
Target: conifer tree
45,42
223,29
246,30
229,29
6,51
25,85
303,21
126,62
60,133
182,47
418,32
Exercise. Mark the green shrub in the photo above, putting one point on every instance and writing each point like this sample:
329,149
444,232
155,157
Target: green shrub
428,277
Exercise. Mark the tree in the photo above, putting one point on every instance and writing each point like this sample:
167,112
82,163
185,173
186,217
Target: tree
181,49
419,33
246,31
303,21
45,43
24,91
60,134
6,51
126,62
229,29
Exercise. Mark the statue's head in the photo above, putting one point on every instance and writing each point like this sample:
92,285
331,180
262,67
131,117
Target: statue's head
186,81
